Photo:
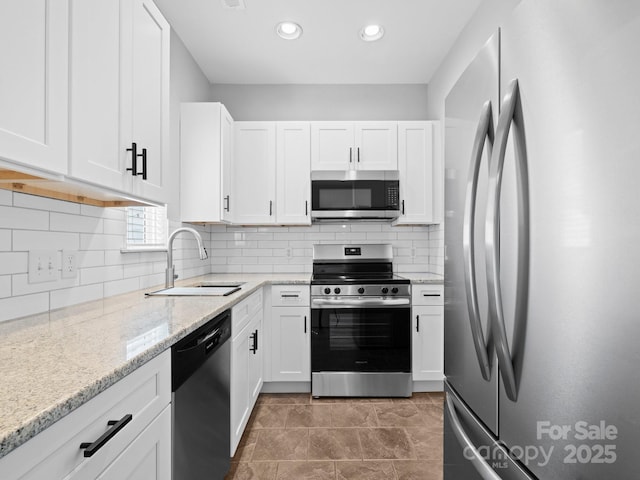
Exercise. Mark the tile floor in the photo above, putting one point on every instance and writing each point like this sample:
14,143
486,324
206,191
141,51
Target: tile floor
294,436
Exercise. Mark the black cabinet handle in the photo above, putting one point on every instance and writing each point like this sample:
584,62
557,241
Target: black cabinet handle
289,295
402,207
134,158
305,324
144,164
254,348
270,207
358,154
417,323
306,208
226,199
116,426
350,154
430,294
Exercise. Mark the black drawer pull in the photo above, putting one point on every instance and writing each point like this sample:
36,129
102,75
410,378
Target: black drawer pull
289,295
116,426
430,294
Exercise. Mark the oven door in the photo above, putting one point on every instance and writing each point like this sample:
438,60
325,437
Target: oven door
361,338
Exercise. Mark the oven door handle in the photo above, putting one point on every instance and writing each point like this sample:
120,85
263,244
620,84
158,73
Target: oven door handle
359,302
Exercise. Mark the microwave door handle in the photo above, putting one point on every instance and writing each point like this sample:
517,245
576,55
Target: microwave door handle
484,131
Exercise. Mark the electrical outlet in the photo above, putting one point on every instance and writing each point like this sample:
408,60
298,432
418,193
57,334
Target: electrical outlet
69,267
43,266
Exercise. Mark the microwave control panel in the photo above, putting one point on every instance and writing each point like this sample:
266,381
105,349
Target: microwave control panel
393,196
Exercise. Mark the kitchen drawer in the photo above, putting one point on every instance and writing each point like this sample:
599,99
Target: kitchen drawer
242,312
422,294
290,295
55,453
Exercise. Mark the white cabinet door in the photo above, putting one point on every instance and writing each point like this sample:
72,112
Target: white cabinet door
120,95
428,342
290,344
98,151
416,163
246,363
240,410
293,165
354,146
34,83
149,107
376,146
205,136
256,356
148,457
254,173
227,164
332,145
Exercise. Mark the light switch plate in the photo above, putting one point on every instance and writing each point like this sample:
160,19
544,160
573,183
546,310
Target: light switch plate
43,266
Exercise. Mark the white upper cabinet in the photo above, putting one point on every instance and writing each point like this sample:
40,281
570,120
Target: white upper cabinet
206,140
376,146
120,95
420,167
150,75
354,146
254,173
293,172
34,83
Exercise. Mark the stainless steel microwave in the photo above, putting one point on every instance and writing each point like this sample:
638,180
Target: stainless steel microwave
355,194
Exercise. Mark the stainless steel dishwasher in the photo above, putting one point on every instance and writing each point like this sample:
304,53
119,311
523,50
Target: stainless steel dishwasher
201,401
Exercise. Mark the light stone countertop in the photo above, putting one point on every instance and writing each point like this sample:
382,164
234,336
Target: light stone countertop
424,277
52,363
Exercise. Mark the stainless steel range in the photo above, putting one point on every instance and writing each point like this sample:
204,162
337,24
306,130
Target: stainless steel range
360,323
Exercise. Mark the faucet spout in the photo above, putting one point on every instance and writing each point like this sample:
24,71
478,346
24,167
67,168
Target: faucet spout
169,272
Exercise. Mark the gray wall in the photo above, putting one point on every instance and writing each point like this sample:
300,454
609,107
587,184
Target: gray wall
188,84
323,102
484,23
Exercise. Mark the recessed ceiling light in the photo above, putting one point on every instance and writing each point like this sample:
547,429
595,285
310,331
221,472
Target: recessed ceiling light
289,30
371,33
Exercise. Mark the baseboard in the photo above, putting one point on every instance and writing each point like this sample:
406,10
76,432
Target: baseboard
286,387
428,386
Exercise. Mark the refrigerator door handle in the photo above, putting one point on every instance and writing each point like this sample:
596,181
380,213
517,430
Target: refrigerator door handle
483,132
470,450
508,116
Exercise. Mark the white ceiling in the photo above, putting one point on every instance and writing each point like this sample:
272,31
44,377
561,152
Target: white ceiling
241,47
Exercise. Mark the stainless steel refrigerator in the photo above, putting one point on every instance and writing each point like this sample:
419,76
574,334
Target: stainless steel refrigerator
542,248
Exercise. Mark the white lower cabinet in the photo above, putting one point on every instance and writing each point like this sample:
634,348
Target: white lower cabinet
290,334
246,362
148,457
140,449
427,333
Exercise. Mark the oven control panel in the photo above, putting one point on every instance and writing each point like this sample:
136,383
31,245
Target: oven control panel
375,290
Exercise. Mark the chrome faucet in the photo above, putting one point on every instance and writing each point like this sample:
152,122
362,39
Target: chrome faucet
169,275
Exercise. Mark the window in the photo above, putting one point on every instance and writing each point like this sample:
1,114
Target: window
146,228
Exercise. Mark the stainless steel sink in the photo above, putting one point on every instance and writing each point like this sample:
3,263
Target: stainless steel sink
209,289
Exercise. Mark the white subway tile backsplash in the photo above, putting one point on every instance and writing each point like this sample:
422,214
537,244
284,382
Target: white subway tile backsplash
15,307
101,242
93,258
6,197
71,296
25,240
24,218
64,222
101,274
5,240
121,286
41,203
5,286
114,227
20,284
13,262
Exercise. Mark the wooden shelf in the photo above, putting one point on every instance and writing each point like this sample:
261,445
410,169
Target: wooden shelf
65,189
